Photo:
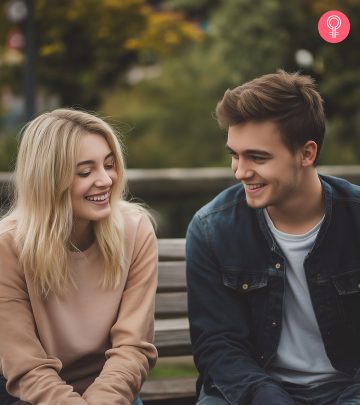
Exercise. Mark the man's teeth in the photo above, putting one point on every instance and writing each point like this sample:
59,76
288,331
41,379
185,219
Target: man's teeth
98,197
254,186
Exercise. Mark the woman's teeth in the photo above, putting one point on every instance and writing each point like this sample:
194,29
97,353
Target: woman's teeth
98,197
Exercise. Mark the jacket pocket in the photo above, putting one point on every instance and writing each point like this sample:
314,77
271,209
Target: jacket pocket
251,289
347,283
244,281
347,286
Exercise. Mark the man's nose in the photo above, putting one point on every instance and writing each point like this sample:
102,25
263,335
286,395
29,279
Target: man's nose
241,170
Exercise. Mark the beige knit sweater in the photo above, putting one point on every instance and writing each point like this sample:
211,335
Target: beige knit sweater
90,346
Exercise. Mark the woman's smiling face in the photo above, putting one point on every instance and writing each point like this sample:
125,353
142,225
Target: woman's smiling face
95,175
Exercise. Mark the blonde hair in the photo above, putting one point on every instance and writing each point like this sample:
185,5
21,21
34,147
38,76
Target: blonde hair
44,172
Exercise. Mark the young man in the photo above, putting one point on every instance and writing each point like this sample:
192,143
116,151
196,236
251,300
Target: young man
273,263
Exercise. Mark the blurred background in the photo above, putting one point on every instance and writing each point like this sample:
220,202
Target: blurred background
155,70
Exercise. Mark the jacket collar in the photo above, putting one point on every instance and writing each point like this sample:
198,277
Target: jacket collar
327,194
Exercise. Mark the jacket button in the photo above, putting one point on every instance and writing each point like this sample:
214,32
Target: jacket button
358,286
245,286
277,266
273,323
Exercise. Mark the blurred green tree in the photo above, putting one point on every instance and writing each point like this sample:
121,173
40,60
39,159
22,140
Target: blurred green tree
83,47
200,9
171,115
8,151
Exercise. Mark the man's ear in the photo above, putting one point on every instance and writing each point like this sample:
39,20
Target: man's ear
308,153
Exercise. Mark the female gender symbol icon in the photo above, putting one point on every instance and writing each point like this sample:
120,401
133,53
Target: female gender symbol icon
339,26
334,28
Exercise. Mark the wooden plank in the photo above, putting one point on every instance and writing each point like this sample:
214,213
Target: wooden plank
184,182
168,388
172,276
171,324
178,183
171,249
172,337
171,304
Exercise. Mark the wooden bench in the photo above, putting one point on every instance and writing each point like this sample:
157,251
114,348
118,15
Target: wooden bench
171,323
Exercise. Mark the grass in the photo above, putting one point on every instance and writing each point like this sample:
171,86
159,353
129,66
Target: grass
174,367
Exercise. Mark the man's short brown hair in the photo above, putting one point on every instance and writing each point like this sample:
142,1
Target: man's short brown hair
290,100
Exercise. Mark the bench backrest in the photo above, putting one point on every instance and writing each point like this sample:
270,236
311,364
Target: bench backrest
171,325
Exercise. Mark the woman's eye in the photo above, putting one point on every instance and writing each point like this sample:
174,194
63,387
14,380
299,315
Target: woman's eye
84,174
109,166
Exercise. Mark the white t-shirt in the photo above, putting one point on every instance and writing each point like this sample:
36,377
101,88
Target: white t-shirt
301,356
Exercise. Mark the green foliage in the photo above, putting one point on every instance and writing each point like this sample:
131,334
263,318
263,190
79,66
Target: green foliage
171,115
171,118
194,9
84,46
165,33
8,152
81,45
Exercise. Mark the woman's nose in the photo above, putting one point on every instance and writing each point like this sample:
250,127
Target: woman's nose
103,180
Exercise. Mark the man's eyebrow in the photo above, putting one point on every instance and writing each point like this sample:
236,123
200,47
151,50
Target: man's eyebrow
229,149
258,152
91,162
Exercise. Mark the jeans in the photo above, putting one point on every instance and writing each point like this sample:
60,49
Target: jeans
209,400
325,394
7,399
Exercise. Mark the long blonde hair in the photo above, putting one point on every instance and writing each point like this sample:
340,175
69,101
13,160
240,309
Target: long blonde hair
42,208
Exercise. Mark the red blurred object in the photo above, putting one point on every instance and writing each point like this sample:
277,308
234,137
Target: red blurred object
16,39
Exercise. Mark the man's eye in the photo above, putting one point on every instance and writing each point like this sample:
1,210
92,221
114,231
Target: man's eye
258,158
233,154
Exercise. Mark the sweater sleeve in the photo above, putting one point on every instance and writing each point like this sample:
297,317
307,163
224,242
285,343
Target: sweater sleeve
132,353
31,374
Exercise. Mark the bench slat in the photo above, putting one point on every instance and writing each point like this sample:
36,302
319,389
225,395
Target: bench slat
172,337
168,388
171,249
171,304
172,276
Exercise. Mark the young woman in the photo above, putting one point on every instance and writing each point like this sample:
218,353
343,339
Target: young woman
78,270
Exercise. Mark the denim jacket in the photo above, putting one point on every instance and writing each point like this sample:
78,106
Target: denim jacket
236,281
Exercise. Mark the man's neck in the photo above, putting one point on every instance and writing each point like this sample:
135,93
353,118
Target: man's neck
304,211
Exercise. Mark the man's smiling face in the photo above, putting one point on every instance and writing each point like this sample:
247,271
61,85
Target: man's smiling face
269,171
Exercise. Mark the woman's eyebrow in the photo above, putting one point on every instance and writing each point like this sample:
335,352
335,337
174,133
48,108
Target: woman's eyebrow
91,162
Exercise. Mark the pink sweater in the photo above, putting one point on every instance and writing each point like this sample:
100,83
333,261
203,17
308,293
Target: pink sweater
90,346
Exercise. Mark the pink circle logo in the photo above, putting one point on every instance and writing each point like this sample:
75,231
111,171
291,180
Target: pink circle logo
334,26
